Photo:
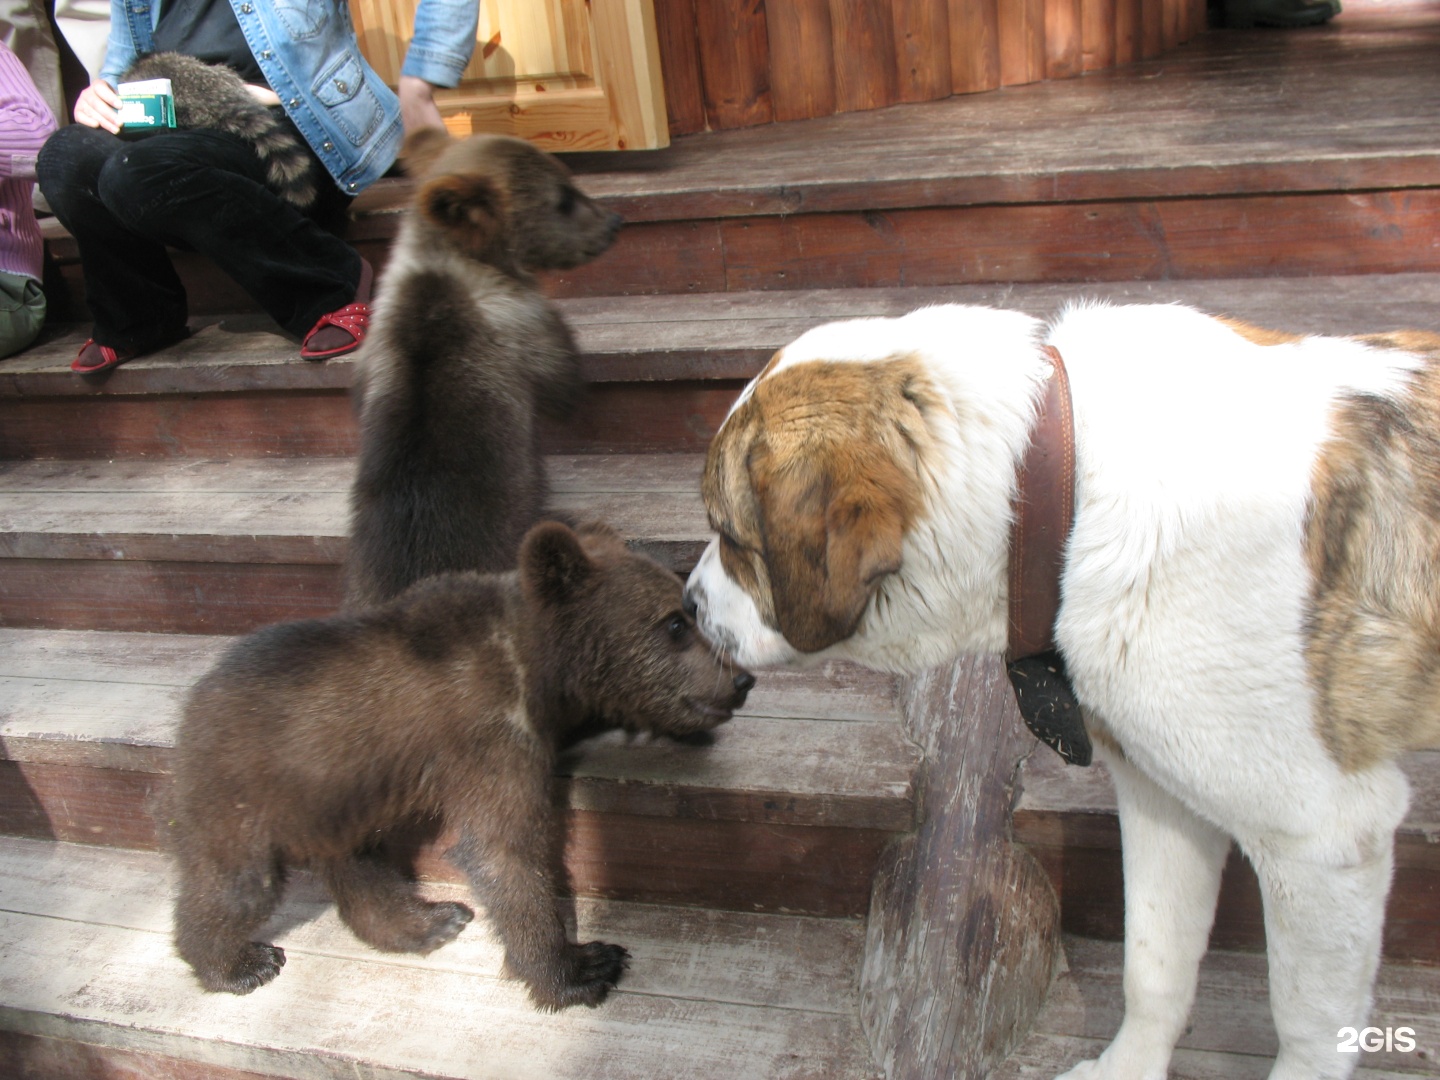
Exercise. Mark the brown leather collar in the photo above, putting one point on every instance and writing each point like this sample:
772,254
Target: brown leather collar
1044,512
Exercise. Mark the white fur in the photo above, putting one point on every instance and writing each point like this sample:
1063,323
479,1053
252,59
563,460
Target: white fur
1181,622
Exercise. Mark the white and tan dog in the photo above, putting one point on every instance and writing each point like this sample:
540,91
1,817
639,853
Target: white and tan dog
1250,599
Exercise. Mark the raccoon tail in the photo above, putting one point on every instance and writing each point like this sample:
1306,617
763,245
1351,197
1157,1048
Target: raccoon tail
287,162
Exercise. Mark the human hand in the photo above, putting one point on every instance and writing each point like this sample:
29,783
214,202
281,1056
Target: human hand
98,106
263,94
417,104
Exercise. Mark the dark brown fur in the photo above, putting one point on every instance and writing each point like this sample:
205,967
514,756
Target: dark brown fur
463,356
316,742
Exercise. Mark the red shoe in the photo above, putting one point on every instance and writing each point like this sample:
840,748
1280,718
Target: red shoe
353,319
350,323
95,357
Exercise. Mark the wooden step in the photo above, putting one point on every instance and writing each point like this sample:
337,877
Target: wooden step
788,810
708,995
664,369
1237,155
226,546
1230,1035
1067,819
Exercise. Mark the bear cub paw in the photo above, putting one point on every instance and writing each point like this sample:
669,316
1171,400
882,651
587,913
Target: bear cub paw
590,972
256,965
446,921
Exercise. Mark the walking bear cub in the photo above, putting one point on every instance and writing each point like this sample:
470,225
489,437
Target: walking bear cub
311,742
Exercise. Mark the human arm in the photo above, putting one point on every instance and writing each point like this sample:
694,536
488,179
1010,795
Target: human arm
25,119
440,48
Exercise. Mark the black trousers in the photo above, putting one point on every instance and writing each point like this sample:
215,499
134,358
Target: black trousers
125,200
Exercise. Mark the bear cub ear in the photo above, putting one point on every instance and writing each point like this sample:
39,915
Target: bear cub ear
554,565
469,208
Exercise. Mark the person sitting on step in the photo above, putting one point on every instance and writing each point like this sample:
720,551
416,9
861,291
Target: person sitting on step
125,199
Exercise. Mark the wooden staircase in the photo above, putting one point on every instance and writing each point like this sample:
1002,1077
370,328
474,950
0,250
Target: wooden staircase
860,878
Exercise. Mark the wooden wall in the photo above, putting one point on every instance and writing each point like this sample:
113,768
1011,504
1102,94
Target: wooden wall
737,63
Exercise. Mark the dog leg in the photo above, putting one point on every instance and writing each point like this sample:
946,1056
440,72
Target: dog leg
1172,861
1324,916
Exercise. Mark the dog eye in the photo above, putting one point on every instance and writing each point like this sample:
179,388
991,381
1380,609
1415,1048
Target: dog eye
567,201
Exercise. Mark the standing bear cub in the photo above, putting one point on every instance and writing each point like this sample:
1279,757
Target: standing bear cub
309,742
464,355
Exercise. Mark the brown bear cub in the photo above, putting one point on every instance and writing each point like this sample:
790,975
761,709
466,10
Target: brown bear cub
463,354
311,743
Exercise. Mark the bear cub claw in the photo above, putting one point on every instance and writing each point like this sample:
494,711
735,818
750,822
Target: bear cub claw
593,970
257,964
446,921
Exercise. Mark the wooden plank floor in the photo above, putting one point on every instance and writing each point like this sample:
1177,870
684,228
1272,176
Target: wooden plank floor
1230,1036
1228,113
288,510
709,995
718,336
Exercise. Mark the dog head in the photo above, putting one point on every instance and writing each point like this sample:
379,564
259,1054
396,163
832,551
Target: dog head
504,202
859,491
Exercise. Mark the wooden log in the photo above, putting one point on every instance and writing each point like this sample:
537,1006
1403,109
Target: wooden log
1152,28
1022,41
734,63
865,56
974,45
922,49
1099,26
1064,38
964,930
802,58
1129,30
680,61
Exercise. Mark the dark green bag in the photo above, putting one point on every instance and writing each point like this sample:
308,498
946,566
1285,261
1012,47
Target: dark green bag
22,312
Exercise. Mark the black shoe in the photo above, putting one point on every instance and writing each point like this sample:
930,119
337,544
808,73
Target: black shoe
1243,13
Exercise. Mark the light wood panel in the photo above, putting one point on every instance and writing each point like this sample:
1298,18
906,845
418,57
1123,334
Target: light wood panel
564,74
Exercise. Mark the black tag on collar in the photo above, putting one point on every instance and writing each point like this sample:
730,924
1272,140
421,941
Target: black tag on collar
1048,706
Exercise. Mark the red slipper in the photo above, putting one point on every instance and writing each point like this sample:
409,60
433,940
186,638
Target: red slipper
350,321
95,357
354,319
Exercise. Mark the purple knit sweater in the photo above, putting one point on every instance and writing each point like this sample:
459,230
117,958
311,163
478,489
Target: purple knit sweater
25,124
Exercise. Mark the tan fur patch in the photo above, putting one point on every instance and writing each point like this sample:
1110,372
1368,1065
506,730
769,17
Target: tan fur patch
812,485
1259,335
1373,547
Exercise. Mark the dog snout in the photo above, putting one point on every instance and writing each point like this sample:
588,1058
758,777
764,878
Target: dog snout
689,605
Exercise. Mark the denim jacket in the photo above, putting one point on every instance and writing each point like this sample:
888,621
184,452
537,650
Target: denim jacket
308,52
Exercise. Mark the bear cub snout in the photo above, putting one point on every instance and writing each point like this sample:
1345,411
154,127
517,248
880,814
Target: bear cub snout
318,742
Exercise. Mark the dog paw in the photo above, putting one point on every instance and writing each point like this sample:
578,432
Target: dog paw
446,922
256,965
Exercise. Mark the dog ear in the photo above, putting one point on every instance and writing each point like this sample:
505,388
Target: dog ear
420,149
554,565
828,540
469,208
